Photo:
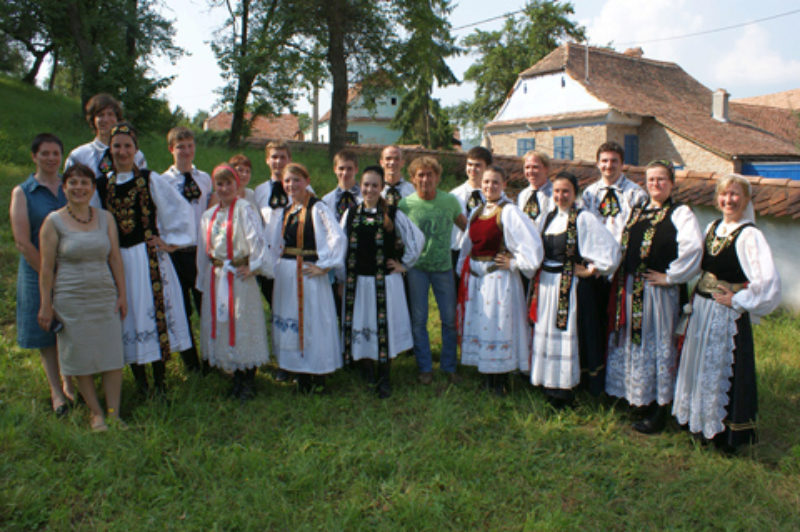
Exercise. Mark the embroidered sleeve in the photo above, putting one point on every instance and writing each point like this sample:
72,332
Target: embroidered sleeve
690,247
522,240
330,239
413,239
596,243
763,292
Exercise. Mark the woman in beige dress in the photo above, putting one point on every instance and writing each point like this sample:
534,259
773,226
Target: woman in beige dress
82,286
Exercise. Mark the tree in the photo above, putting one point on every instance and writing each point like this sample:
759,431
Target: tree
505,53
22,22
422,62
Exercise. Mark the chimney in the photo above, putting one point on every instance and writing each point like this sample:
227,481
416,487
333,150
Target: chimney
634,52
719,105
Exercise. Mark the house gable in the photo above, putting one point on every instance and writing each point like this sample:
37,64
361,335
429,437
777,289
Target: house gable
555,93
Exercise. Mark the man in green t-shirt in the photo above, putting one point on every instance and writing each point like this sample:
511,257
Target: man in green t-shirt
434,212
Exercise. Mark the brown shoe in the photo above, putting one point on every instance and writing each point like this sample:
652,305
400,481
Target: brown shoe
454,378
425,378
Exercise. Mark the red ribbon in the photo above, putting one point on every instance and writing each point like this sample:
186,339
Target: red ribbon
229,256
463,297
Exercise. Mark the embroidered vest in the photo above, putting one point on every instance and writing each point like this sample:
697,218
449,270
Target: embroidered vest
725,265
664,248
290,231
129,207
367,249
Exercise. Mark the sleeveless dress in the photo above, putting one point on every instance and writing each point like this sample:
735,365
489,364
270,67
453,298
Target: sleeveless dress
40,202
84,296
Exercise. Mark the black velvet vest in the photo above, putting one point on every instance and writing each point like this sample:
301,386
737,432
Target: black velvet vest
725,265
290,231
366,250
130,225
665,243
555,246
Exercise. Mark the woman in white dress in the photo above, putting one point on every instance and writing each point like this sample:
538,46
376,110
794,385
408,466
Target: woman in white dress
152,219
382,244
502,243
576,244
715,392
661,251
231,250
309,241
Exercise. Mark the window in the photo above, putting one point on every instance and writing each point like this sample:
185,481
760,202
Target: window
394,100
352,137
525,145
562,148
631,149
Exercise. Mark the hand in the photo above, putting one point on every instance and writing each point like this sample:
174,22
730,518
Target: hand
243,272
585,272
45,317
503,260
121,307
655,278
159,245
723,296
312,270
395,266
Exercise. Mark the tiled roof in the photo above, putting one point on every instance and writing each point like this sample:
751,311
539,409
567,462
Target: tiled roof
771,196
352,94
787,99
660,89
284,126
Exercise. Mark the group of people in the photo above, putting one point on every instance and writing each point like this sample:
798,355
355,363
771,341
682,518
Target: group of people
569,289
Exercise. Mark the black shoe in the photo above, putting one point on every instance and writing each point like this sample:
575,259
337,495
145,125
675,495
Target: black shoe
653,423
281,375
246,392
499,387
304,384
236,389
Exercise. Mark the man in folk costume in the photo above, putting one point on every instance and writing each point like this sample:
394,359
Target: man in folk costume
396,188
612,198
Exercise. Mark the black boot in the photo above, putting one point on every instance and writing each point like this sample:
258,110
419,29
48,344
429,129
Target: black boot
236,389
247,390
488,381
367,367
159,386
190,359
318,385
384,385
140,375
654,422
500,382
304,384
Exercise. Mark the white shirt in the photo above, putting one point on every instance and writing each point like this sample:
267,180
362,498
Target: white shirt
176,178
629,195
544,195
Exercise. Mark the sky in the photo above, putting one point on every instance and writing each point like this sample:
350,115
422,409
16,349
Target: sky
749,60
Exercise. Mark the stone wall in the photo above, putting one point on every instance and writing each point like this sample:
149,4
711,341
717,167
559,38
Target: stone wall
586,139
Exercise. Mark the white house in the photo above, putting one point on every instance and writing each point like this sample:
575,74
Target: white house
364,125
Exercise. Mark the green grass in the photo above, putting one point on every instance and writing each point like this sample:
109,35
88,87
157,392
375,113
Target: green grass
432,458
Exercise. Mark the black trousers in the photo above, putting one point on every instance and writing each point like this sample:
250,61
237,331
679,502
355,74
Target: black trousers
185,262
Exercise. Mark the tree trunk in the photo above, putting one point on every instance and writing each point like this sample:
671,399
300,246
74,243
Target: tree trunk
245,84
30,77
51,83
87,58
338,67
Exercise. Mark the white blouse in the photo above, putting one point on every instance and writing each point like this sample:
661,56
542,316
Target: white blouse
596,244
521,239
763,292
686,265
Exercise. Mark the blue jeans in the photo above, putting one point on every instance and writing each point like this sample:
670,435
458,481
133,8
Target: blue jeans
444,290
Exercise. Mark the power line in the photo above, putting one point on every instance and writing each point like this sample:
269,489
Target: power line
715,30
498,17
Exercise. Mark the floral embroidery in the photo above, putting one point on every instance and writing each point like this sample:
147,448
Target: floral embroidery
714,244
285,324
532,208
565,285
610,204
358,218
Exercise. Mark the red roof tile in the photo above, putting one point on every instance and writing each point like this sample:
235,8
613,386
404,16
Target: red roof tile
284,126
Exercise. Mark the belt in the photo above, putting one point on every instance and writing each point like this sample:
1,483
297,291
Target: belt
309,255
235,262
553,269
709,285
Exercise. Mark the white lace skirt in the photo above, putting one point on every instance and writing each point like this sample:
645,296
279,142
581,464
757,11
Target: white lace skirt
645,372
496,335
321,352
365,318
251,349
139,333
706,367
556,363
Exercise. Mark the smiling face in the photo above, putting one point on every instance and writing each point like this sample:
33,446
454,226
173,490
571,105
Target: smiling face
226,188
425,182
371,186
492,185
535,171
47,159
563,194
277,159
659,184
610,165
79,189
123,150
731,201
245,173
345,173
475,170
104,120
183,152
295,186
392,163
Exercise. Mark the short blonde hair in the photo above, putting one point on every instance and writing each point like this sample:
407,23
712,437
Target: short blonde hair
425,161
543,158
730,179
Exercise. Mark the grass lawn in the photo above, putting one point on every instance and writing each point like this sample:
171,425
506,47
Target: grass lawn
435,457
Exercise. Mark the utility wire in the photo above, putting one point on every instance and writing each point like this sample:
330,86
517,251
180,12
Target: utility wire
715,30
498,17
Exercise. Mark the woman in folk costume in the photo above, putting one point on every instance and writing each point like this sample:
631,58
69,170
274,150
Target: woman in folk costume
495,334
382,244
661,251
231,250
152,219
715,392
576,245
309,241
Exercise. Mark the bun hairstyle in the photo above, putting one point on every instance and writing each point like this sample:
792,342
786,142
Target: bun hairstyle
497,169
388,225
125,128
666,165
568,176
